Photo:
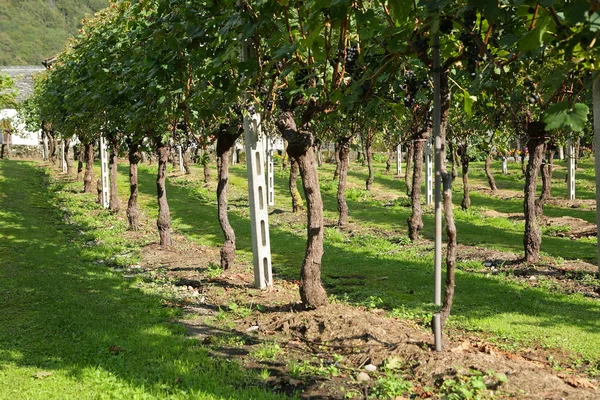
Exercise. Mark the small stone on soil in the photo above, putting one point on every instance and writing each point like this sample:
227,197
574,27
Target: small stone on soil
363,377
370,368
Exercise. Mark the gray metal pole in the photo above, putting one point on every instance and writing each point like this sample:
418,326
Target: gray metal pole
437,122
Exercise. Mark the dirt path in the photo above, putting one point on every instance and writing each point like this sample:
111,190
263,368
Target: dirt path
341,351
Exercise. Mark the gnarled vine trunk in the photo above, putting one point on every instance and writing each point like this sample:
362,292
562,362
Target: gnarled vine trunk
133,211
225,142
546,171
163,222
388,162
88,178
368,150
297,203
300,147
336,152
114,203
489,174
80,160
186,162
532,239
343,146
415,221
68,160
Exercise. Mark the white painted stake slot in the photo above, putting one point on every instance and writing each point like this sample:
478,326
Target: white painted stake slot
63,159
270,180
259,216
399,159
428,173
570,170
104,174
181,169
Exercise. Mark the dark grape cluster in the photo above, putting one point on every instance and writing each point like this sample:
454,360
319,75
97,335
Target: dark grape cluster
300,77
420,45
411,87
351,58
532,97
472,51
446,25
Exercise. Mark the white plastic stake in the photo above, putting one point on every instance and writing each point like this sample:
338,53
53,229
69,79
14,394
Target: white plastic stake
63,159
104,173
269,176
570,170
257,193
428,173
399,159
45,148
181,169
504,165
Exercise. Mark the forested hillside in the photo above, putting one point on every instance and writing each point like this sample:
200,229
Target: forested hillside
33,30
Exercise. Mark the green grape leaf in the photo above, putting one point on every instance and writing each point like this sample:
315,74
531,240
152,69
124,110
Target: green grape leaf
534,39
562,115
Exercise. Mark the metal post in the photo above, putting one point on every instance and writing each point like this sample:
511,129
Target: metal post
437,134
269,176
570,170
437,332
257,194
399,159
181,169
104,173
428,173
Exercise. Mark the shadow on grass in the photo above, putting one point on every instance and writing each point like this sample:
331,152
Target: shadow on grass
391,276
62,311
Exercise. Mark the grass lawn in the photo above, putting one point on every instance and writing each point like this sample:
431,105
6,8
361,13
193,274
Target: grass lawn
70,326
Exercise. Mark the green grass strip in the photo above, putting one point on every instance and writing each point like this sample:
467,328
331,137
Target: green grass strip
72,328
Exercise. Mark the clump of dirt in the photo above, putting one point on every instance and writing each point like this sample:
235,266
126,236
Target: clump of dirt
340,351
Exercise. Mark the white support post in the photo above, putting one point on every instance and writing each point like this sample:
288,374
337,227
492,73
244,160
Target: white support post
181,169
399,159
257,194
234,154
63,159
561,153
269,176
570,170
104,173
504,165
428,173
45,148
